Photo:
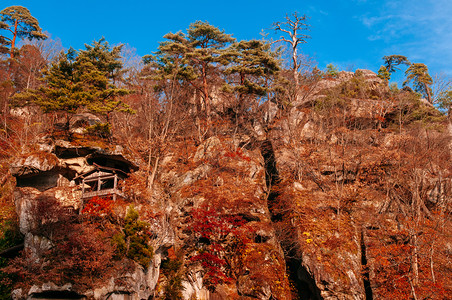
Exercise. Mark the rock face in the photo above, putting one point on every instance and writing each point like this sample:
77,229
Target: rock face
79,122
333,164
259,267
305,208
46,177
231,180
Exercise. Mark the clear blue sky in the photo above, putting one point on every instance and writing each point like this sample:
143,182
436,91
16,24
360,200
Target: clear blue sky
348,33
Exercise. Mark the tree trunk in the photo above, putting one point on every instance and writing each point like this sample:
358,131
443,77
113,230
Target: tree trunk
413,291
414,260
150,136
429,95
205,91
13,42
148,168
431,263
154,171
295,66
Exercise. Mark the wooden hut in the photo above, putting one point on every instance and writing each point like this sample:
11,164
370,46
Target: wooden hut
101,181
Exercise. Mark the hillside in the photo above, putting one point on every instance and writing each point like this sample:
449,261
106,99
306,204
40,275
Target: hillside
213,172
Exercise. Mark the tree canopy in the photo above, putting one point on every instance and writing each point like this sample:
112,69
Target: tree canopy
20,24
79,80
253,62
383,73
192,56
392,61
418,74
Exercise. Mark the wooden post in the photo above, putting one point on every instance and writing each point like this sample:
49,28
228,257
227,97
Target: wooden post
83,193
115,183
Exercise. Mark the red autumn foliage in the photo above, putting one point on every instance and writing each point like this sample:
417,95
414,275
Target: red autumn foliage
393,256
81,252
211,229
98,206
237,154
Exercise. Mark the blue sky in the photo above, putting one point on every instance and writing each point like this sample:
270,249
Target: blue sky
348,33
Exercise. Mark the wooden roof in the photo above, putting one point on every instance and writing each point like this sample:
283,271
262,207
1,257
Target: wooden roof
101,168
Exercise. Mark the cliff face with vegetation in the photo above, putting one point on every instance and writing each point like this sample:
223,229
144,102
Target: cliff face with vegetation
343,196
212,172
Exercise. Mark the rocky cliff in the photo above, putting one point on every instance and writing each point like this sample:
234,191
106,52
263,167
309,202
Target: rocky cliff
344,194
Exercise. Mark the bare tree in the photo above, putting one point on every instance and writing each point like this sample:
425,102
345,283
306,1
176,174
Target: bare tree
49,48
294,27
441,90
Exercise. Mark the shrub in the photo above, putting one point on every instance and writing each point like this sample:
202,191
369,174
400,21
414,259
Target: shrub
81,254
133,242
10,236
172,269
102,130
98,206
331,71
393,87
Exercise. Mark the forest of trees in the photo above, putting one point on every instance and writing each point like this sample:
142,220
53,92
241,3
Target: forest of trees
200,79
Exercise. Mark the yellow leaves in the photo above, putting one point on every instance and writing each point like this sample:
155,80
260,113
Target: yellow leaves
307,234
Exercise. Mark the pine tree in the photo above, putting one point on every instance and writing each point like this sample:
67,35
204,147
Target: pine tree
4,43
392,61
332,71
383,73
252,66
418,74
76,81
98,67
193,56
104,58
21,24
62,94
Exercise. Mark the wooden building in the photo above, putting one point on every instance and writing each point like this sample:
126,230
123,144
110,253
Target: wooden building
101,181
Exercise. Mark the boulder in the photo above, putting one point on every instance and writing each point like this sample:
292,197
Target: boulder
33,164
25,198
79,122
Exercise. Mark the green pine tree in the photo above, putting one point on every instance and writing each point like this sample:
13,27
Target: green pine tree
422,81
104,58
331,70
136,238
19,22
383,73
4,41
79,81
253,62
63,92
98,67
252,66
193,56
392,61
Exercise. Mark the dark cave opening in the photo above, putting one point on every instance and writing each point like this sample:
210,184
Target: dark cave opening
62,295
366,273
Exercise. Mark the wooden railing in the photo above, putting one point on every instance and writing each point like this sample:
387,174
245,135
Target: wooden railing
106,192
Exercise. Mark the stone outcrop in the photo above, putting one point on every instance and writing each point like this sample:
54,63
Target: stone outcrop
289,209
260,266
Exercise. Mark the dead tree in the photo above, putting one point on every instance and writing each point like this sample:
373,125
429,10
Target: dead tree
294,27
